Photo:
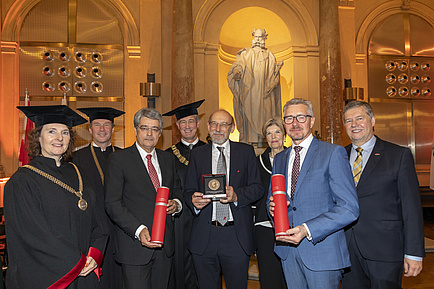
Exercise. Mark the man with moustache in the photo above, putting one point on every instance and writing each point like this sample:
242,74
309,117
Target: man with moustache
388,237
92,161
322,200
183,274
222,233
133,177
254,80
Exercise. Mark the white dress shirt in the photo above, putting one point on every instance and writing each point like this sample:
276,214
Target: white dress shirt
305,146
155,163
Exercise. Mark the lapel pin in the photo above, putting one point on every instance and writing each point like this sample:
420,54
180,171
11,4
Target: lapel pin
377,154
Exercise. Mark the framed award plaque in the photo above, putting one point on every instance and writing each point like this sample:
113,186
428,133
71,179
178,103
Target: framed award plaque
214,186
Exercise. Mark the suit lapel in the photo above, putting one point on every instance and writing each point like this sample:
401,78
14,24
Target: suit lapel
310,156
232,162
285,169
164,169
374,158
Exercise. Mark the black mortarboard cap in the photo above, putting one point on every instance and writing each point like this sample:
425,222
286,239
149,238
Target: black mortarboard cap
41,115
185,110
101,113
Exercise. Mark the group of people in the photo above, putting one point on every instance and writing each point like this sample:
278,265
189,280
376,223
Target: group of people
355,214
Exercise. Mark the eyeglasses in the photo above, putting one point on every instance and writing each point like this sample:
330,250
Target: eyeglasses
301,118
223,125
146,129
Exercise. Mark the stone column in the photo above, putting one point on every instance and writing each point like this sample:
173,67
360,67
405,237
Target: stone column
182,57
331,100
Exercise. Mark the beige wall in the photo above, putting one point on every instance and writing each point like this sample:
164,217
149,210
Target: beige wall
148,48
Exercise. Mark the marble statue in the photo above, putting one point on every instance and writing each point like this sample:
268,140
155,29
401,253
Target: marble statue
254,80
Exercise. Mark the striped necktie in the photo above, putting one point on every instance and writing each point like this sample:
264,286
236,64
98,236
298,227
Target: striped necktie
295,169
153,173
357,167
222,210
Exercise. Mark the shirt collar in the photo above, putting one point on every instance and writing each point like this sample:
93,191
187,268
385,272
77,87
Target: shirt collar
367,146
225,145
306,143
95,145
144,153
187,143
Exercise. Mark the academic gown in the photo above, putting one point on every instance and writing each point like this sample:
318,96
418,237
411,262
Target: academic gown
47,234
111,270
185,275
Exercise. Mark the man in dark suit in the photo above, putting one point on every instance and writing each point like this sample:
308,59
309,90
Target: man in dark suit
187,120
322,202
92,161
133,177
388,236
222,234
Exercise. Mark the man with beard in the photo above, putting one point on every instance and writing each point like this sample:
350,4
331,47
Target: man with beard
92,161
254,80
183,274
222,233
322,201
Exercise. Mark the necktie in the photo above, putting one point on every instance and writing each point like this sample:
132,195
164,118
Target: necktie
153,173
295,169
357,167
222,210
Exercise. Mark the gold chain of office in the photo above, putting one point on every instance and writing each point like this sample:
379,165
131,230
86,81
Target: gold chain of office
82,204
181,158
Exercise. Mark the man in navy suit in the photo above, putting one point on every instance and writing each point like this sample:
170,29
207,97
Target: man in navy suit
388,236
222,244
322,201
133,177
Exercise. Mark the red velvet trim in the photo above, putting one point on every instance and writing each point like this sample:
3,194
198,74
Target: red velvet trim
97,256
64,282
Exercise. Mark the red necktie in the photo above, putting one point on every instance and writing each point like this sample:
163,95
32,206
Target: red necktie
153,173
295,169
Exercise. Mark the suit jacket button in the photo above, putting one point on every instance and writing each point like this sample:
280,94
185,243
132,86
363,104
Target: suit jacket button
294,208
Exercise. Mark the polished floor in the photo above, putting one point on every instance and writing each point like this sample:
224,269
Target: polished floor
425,280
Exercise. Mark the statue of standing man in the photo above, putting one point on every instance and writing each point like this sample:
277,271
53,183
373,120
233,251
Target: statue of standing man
254,80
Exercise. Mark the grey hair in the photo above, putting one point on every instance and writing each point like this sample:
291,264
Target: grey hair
273,121
296,101
358,103
150,113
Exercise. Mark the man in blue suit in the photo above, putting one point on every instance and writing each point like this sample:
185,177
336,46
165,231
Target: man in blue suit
322,201
221,239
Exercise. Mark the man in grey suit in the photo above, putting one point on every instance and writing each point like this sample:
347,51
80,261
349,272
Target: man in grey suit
133,177
388,236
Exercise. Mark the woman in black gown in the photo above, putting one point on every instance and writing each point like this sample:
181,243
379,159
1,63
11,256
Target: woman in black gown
270,269
55,232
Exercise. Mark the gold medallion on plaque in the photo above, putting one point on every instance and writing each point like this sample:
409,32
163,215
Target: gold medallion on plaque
214,184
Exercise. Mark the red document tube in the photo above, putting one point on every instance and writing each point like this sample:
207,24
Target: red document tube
160,213
281,222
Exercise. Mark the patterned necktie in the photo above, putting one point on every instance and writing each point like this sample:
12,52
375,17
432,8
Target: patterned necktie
222,210
153,173
295,169
357,167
